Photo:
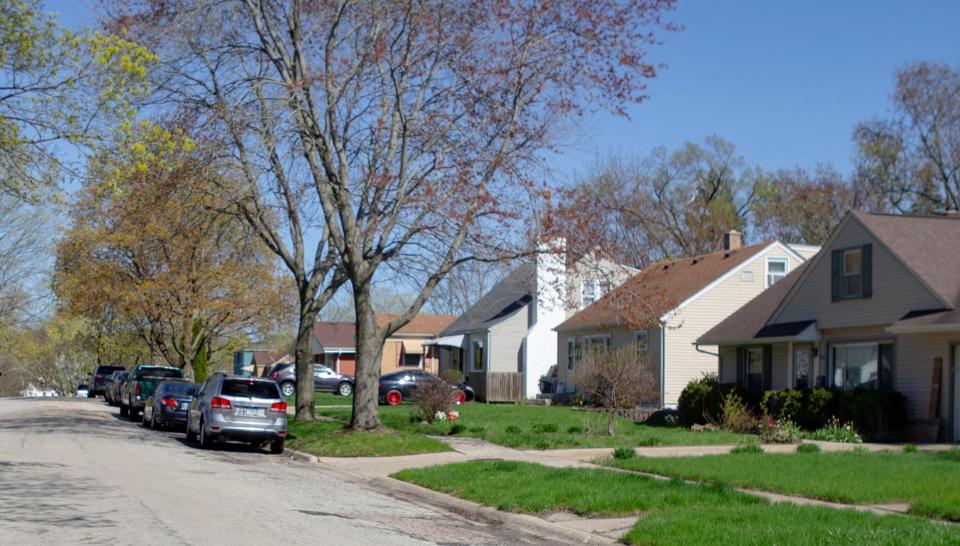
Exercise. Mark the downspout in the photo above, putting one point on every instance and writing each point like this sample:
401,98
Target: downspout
699,350
663,364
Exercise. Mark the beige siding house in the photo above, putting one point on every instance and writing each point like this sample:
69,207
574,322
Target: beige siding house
666,307
876,308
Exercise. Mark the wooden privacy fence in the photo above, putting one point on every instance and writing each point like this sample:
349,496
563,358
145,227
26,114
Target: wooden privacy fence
503,387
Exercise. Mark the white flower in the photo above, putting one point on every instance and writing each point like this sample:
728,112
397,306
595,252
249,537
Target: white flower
440,416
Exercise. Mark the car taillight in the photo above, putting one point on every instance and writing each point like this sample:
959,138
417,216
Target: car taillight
98,377
274,375
219,403
169,402
279,407
136,389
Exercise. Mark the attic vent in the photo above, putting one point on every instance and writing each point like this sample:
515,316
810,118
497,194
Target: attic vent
727,255
694,262
666,267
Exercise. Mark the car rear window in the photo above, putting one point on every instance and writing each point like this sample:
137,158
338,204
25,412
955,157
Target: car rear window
107,370
160,372
253,389
187,389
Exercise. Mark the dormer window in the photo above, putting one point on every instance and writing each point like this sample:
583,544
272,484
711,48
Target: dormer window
852,271
776,270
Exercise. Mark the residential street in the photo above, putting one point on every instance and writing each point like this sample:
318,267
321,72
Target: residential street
71,471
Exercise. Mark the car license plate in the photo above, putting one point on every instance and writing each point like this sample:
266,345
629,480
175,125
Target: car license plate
253,412
184,406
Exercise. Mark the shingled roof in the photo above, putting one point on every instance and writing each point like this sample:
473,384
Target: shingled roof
421,324
512,292
661,287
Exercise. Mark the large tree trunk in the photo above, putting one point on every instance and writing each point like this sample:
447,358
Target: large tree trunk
366,407
304,366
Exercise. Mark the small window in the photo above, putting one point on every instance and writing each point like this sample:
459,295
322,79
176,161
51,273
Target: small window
477,351
776,270
411,359
589,292
643,341
571,352
746,276
852,286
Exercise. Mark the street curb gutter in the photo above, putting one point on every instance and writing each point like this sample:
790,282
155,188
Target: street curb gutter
470,510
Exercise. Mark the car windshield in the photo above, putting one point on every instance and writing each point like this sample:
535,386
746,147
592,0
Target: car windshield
159,372
252,389
186,389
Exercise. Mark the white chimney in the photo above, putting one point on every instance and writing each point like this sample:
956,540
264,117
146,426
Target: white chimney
547,311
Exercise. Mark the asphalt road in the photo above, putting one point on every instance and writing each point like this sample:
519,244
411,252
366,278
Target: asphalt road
73,472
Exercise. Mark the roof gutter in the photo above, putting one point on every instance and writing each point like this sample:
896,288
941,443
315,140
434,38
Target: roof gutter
923,329
699,350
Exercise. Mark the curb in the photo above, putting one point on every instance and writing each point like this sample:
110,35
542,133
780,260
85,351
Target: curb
300,456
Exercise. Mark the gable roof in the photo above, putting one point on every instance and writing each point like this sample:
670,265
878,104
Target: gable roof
422,323
927,245
747,322
662,286
340,335
513,291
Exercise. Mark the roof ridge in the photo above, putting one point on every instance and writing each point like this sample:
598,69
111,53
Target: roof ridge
910,215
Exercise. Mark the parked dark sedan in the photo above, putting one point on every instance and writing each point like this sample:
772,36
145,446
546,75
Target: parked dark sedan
324,380
169,404
399,386
114,386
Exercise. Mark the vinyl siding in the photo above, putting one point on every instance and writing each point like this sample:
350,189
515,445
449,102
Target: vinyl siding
728,364
913,370
780,361
506,341
618,338
683,361
896,291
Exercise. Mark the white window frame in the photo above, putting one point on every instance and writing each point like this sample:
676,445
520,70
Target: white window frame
571,353
843,273
832,365
587,340
473,358
645,336
766,269
593,283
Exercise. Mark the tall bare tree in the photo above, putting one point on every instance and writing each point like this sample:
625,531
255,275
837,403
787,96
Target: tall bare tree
912,159
398,135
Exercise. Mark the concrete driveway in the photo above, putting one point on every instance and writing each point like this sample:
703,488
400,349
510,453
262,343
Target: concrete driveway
71,471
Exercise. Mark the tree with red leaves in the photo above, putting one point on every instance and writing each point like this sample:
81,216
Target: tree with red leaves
400,137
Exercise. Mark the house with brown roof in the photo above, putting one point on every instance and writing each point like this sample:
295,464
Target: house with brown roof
662,310
334,344
878,307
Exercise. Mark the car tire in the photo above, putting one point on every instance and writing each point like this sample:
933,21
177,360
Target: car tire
124,411
133,413
288,388
345,389
276,447
191,435
393,397
205,441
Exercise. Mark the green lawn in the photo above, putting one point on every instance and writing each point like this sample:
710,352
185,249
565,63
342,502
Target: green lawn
328,439
670,512
545,427
928,481
324,399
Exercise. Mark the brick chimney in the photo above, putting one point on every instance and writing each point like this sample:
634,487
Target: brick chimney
732,240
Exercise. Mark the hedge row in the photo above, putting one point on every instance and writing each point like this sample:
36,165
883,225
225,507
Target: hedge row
876,414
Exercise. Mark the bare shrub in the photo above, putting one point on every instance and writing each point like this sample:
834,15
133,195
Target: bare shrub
616,379
433,398
735,416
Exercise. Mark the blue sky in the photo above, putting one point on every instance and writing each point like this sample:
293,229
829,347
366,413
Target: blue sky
784,81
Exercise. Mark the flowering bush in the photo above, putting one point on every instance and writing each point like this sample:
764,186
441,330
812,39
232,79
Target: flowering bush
834,431
735,416
780,431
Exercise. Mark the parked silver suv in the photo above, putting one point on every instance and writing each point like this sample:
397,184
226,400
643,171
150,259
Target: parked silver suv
233,407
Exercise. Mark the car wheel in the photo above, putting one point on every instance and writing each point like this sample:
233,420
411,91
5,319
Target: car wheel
124,411
276,447
459,397
394,397
288,388
133,413
205,442
191,435
345,389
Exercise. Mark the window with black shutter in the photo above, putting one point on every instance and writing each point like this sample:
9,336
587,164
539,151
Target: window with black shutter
852,273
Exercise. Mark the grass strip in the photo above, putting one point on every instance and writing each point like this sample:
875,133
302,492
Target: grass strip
329,439
670,512
928,481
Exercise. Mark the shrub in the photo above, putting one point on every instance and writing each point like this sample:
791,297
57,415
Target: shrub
624,453
875,414
542,444
735,416
701,401
746,448
451,376
433,398
457,428
780,431
909,448
575,430
834,431
616,379
541,428
513,429
808,448
808,408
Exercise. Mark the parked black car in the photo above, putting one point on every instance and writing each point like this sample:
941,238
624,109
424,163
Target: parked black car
169,404
112,392
324,379
399,386
101,377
